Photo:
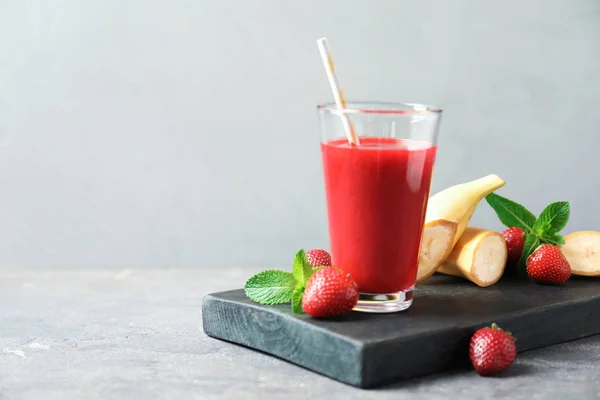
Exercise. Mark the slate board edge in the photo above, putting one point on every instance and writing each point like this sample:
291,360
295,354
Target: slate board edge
324,344
548,325
541,331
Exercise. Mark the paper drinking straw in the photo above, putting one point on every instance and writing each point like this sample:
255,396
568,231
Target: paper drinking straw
338,94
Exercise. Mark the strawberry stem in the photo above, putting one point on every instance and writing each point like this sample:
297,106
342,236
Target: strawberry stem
496,327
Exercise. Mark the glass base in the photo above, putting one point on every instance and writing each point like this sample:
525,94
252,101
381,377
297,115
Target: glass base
385,303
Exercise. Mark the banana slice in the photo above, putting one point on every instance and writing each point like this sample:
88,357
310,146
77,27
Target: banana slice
479,256
582,251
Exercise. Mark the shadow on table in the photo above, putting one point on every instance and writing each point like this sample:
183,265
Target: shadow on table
516,370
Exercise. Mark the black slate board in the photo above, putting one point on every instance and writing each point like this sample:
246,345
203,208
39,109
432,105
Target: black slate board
369,350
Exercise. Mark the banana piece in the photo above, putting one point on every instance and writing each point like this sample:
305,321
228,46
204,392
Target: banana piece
479,256
437,241
448,213
458,203
582,251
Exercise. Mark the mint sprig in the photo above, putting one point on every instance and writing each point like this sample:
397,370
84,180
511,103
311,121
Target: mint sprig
553,218
302,269
270,287
540,230
555,239
297,300
511,213
277,287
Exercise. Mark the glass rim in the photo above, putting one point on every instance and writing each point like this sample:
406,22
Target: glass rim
375,107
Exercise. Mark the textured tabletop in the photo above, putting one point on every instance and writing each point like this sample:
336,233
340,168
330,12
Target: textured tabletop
136,334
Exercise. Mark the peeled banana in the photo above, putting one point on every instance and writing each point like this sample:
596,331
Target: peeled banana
448,213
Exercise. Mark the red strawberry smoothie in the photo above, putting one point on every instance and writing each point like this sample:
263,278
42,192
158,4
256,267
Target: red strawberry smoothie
377,196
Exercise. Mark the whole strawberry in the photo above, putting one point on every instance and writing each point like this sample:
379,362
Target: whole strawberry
329,292
515,239
548,265
492,350
318,258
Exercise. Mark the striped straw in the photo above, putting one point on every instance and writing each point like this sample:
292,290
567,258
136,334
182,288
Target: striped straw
338,94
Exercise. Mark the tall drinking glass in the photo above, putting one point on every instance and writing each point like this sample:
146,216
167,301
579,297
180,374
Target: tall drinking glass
377,194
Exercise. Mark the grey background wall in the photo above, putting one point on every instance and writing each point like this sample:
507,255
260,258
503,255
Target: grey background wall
183,133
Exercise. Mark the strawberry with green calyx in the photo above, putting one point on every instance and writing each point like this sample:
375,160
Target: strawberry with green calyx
492,350
278,287
548,265
329,293
544,229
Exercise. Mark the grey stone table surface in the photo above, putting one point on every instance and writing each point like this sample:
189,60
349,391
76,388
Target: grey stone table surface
137,334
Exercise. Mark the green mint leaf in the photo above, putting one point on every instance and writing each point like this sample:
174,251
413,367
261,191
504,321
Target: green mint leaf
553,219
541,228
555,239
302,269
559,239
511,213
297,300
531,243
270,287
